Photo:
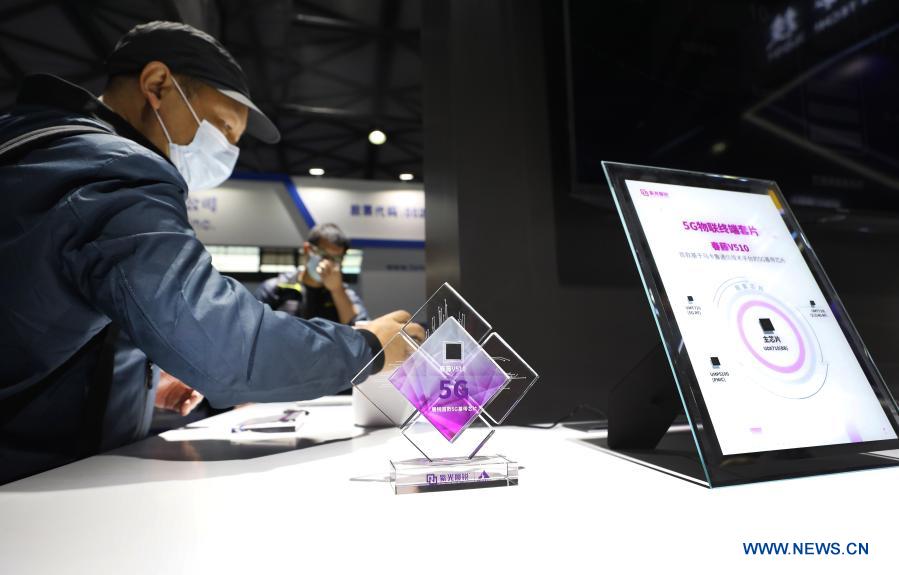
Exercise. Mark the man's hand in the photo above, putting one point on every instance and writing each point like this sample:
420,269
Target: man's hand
332,279
173,395
386,327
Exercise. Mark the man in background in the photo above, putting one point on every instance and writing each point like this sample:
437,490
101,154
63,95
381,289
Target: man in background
317,289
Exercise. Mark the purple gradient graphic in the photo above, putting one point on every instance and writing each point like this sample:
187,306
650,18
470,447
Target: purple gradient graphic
449,397
793,367
852,432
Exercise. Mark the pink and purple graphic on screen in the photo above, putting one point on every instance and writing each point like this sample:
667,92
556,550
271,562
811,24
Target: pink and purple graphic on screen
449,379
785,369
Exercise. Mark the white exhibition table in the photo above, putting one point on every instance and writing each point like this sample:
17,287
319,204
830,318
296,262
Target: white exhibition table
197,501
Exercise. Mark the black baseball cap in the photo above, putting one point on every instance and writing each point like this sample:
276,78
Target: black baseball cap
194,53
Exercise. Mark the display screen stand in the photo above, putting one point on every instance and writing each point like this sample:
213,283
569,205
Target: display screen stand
641,410
643,405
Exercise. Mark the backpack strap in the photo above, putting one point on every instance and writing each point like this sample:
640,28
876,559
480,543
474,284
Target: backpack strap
97,399
97,388
37,138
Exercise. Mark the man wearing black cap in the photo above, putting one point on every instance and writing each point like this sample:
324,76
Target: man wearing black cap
102,273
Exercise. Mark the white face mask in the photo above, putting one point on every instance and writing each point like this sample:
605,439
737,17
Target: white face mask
208,159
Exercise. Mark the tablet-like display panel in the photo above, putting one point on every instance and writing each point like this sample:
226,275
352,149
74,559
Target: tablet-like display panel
773,375
772,363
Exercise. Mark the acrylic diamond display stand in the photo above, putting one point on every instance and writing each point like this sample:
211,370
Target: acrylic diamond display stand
447,394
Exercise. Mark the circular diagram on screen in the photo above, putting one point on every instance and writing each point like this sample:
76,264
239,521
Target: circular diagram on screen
774,345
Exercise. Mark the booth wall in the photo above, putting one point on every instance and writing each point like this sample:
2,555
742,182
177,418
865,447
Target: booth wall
493,202
554,274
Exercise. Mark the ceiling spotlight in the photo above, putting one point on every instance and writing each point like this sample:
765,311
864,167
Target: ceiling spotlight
316,171
407,177
377,137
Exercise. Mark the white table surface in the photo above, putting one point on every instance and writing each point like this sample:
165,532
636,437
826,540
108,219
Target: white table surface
196,502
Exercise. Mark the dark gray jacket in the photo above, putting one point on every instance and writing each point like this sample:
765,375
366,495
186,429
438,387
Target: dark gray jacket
94,229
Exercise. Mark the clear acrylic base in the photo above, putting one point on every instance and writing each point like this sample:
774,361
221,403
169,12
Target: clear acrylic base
423,475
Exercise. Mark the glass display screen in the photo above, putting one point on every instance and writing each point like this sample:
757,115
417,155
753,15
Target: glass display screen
770,357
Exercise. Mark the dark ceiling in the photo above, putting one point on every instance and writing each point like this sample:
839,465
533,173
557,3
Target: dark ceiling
328,72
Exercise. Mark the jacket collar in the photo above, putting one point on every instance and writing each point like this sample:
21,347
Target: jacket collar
54,92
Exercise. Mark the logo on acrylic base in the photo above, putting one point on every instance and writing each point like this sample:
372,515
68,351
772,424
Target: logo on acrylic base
458,477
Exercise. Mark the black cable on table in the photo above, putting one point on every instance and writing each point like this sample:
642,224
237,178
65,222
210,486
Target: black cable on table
569,415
